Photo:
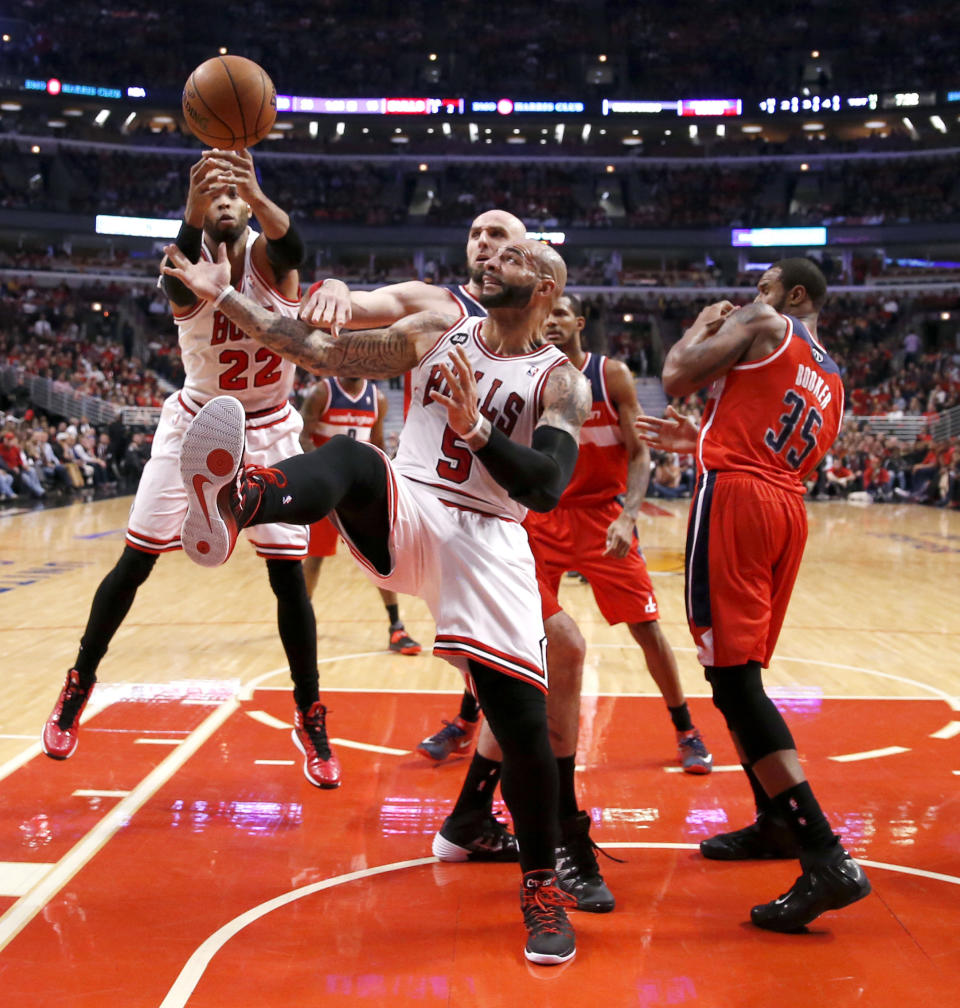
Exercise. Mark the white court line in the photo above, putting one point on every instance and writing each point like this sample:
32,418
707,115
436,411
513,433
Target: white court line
369,747
28,906
196,965
718,768
268,719
893,750
272,722
950,730
18,877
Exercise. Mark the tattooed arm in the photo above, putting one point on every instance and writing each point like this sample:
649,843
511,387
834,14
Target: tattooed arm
371,353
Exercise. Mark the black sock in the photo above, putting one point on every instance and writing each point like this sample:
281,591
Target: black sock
680,716
568,806
802,813
393,614
476,795
469,708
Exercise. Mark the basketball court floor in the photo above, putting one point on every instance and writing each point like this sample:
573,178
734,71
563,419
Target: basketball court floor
181,858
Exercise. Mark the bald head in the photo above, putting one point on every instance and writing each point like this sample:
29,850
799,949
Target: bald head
549,262
500,220
488,233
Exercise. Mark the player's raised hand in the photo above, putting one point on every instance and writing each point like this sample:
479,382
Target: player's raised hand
463,403
672,432
205,279
327,306
235,168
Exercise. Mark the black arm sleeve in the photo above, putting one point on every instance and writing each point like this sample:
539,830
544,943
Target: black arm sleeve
534,476
285,253
189,241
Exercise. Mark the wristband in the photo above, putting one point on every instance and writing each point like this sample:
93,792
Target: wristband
474,430
226,290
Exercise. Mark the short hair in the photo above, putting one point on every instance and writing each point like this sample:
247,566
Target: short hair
576,305
803,272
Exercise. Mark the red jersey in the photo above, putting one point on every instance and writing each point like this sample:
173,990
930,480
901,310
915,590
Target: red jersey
601,470
774,418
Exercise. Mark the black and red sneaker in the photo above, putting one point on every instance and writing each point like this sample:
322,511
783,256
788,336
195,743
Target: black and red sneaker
550,937
223,496
320,764
60,733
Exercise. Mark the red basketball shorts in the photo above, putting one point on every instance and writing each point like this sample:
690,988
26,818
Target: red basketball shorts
323,539
745,540
574,539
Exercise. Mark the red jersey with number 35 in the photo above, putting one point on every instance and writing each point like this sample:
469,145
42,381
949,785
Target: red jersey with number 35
774,418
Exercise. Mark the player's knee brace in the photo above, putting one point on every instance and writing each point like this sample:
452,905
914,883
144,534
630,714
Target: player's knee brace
750,714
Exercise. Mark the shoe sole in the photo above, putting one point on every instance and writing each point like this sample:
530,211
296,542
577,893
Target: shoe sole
439,759
323,785
210,456
698,769
547,960
445,850
57,756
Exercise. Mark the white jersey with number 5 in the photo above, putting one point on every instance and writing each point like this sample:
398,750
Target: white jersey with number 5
220,359
510,391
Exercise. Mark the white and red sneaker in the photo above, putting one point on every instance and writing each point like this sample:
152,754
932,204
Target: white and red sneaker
320,764
223,496
60,733
210,459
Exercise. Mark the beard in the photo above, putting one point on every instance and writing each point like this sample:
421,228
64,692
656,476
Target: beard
509,296
475,273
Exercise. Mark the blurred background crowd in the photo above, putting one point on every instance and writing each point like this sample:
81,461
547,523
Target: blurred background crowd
641,207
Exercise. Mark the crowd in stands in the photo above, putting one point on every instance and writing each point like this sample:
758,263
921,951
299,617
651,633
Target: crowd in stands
43,459
334,47
546,194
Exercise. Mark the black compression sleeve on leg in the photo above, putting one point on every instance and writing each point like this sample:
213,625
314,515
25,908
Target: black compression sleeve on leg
517,714
534,476
750,714
342,474
111,603
298,628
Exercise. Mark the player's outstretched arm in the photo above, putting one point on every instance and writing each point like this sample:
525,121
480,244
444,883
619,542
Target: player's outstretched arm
372,353
331,304
673,432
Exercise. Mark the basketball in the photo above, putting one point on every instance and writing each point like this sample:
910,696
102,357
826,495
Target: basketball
229,102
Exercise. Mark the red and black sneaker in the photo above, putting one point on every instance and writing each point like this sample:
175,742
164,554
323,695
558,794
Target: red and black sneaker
550,937
60,733
320,765
401,641
222,495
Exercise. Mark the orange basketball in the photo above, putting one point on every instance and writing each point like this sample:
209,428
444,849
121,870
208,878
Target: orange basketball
229,102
